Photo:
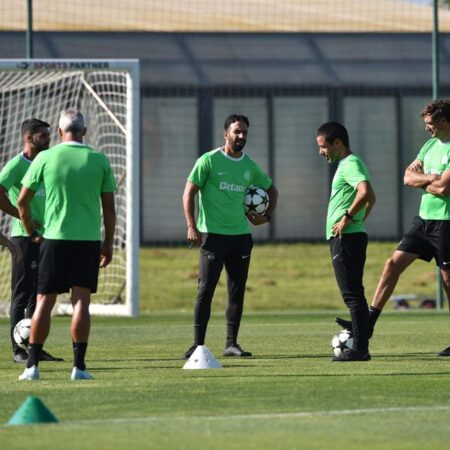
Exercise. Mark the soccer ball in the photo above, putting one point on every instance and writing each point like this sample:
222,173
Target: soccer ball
256,200
22,333
341,341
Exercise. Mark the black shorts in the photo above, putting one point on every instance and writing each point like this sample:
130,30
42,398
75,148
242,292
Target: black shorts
64,264
429,239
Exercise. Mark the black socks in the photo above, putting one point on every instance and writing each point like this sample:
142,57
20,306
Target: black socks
79,353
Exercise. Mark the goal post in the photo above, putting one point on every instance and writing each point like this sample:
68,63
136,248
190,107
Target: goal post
107,92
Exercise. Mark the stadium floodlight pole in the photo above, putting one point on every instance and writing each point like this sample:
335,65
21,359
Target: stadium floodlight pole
435,49
29,35
436,88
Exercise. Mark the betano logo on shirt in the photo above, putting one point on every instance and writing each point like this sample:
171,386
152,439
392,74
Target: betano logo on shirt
432,172
224,186
40,192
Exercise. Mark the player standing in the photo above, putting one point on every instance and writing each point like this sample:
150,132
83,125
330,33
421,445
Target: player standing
36,137
222,176
351,201
429,236
76,178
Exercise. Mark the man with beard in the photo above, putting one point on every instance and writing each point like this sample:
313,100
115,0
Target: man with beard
36,137
429,235
351,201
222,177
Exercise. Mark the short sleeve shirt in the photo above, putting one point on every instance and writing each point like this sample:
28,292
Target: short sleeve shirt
435,156
11,179
350,172
74,176
222,181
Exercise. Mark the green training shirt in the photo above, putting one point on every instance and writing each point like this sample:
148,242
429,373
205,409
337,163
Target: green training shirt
222,181
11,179
350,172
435,156
74,176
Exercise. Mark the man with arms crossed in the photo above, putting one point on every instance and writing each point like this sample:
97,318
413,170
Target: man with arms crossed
429,236
351,201
76,179
222,176
36,137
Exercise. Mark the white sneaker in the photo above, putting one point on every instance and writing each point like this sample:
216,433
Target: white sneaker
78,374
31,373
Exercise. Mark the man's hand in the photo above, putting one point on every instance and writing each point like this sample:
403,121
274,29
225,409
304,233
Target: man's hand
106,253
338,228
36,238
257,219
416,166
194,236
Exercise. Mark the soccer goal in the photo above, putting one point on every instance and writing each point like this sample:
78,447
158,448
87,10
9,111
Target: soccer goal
107,92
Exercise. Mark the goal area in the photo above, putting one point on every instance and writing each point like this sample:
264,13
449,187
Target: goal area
107,93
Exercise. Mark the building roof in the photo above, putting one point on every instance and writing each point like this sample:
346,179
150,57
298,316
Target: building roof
253,59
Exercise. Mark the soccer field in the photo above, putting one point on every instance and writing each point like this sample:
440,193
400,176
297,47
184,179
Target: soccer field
289,395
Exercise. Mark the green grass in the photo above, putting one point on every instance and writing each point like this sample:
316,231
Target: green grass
282,277
288,396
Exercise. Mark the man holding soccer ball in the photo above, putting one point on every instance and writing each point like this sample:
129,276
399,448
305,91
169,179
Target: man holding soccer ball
351,201
222,231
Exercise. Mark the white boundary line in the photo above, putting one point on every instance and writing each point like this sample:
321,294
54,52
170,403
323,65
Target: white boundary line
292,415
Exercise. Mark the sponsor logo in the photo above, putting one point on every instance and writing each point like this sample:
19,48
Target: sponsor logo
221,173
247,175
444,160
40,192
231,187
62,65
335,256
245,256
432,172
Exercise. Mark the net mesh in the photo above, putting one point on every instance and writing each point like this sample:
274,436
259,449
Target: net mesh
229,16
102,97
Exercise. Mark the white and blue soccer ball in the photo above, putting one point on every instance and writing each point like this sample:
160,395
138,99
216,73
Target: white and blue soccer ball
341,341
256,200
21,333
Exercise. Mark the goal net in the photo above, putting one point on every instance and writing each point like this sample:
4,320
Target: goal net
107,92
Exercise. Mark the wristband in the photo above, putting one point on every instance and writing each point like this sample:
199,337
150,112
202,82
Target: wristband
349,216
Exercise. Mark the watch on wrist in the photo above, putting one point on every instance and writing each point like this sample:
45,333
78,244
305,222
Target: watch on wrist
349,216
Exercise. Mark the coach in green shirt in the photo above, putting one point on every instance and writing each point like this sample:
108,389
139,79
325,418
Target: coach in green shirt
77,179
36,138
429,236
351,201
221,178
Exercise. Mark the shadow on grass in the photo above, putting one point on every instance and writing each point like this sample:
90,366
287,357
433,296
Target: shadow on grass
326,375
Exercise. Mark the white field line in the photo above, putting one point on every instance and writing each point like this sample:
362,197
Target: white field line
291,415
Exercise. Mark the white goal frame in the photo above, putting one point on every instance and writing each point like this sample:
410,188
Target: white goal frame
132,177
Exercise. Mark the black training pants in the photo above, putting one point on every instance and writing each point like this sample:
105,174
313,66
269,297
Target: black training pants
234,253
23,283
349,256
